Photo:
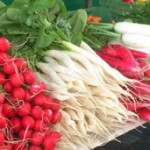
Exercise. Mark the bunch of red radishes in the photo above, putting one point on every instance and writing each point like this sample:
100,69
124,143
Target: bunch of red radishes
27,113
134,65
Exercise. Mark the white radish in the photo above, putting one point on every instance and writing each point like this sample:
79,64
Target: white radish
45,68
133,28
136,40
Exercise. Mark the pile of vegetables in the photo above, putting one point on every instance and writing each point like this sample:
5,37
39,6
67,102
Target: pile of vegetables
27,112
135,65
91,93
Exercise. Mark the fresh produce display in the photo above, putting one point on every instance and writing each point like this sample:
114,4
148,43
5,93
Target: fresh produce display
135,65
27,112
56,85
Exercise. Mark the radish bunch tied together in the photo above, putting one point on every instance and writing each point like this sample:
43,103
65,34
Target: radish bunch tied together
27,112
90,92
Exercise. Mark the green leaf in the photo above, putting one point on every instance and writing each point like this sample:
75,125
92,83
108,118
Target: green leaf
13,13
78,20
44,39
2,5
76,38
40,4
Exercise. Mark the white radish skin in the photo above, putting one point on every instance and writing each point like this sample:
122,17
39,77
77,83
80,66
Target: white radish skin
45,68
136,40
50,60
133,28
86,46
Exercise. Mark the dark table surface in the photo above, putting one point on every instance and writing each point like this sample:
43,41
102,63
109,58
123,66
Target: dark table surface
137,139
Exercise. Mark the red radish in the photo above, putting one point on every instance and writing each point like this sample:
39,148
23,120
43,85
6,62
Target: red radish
21,64
128,1
4,57
139,54
18,93
144,113
56,135
56,117
37,87
8,87
3,122
2,137
119,64
119,51
2,79
37,138
28,96
54,105
39,99
145,66
25,134
9,67
47,115
132,74
16,80
40,125
4,44
8,110
27,122
16,123
35,147
19,145
37,112
1,98
49,142
141,88
24,109
29,77
134,106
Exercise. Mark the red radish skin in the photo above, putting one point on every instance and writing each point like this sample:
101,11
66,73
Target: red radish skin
56,117
4,44
29,77
119,64
139,54
24,109
145,67
37,138
39,99
1,98
16,123
8,87
9,67
16,80
2,137
27,122
141,88
134,106
35,147
8,110
25,134
132,74
144,113
37,112
37,87
4,57
28,96
47,115
49,142
40,125
18,93
21,64
3,122
19,145
2,79
54,105
119,51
